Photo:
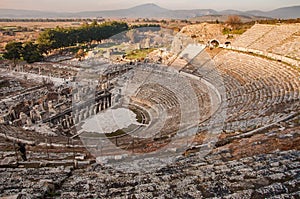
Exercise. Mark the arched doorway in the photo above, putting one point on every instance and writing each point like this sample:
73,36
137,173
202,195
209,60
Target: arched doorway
214,43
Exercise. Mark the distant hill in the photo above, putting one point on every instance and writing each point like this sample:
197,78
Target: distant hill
147,11
284,13
142,11
151,11
12,13
224,17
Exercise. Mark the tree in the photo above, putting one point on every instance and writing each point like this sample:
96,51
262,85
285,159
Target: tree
13,51
46,40
94,23
31,53
234,20
64,37
43,48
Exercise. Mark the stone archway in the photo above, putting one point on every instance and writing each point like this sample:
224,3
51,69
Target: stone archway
214,43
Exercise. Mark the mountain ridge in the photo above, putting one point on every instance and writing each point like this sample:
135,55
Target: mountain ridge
150,10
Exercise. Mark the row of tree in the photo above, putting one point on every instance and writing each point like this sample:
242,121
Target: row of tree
63,37
51,39
28,51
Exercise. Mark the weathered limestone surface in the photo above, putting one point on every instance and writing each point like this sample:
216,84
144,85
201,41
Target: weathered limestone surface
266,175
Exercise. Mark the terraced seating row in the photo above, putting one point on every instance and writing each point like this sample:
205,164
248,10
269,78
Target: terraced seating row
187,55
150,87
33,137
280,39
274,37
252,35
50,155
267,175
169,91
290,47
31,182
158,95
198,92
217,175
258,91
204,99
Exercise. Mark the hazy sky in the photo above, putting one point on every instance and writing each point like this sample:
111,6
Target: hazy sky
84,5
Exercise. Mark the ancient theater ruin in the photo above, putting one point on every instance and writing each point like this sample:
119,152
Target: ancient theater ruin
202,116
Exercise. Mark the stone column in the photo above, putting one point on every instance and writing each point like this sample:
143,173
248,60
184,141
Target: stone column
95,108
91,110
64,123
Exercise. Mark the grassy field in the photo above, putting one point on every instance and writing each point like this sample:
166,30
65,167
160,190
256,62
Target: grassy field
139,54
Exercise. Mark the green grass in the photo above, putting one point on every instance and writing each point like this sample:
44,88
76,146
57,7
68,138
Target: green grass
238,32
227,31
9,28
139,54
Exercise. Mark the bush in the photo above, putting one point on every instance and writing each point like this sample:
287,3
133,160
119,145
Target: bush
234,21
